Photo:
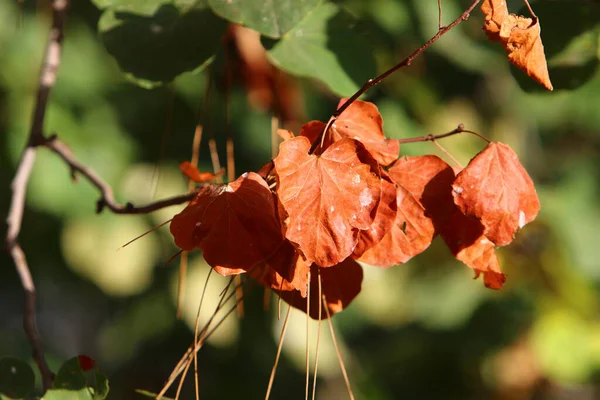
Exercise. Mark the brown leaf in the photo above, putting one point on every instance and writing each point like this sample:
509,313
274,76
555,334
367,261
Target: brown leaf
340,284
235,224
328,198
496,189
360,121
495,11
192,173
464,237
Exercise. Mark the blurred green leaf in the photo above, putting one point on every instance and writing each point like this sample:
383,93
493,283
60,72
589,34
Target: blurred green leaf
62,394
102,387
16,378
270,18
154,49
70,376
326,46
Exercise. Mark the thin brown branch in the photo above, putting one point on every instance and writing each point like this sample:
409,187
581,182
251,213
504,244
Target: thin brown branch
432,138
49,69
107,198
404,63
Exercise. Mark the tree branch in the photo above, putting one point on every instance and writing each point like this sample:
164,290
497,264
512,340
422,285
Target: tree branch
442,30
48,72
107,198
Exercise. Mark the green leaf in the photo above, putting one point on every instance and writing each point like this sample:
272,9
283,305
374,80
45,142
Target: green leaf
101,387
70,376
571,45
271,18
325,46
16,378
155,48
63,394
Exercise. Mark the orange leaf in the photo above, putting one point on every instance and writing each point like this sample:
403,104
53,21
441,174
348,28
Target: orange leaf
235,224
328,198
411,233
340,284
464,237
496,189
384,219
360,121
429,179
520,37
195,175
285,134
495,11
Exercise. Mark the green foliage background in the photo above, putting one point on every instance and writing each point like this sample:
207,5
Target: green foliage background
417,331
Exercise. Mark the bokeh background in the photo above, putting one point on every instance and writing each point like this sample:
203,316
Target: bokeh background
423,330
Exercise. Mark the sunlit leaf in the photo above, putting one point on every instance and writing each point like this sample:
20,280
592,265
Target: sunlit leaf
496,189
360,121
328,198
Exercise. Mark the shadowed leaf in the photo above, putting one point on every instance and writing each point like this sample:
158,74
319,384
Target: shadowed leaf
234,224
340,284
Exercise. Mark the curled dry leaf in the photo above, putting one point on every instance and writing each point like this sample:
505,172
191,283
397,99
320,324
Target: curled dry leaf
361,121
235,224
496,189
327,198
495,12
192,173
521,38
523,42
340,284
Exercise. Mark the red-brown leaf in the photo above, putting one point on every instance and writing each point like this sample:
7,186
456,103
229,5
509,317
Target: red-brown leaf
340,284
285,270
496,189
235,224
360,121
328,198
411,233
464,237
429,179
195,175
384,219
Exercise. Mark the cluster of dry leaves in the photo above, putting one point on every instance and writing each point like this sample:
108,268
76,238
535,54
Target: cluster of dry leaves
309,216
340,194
